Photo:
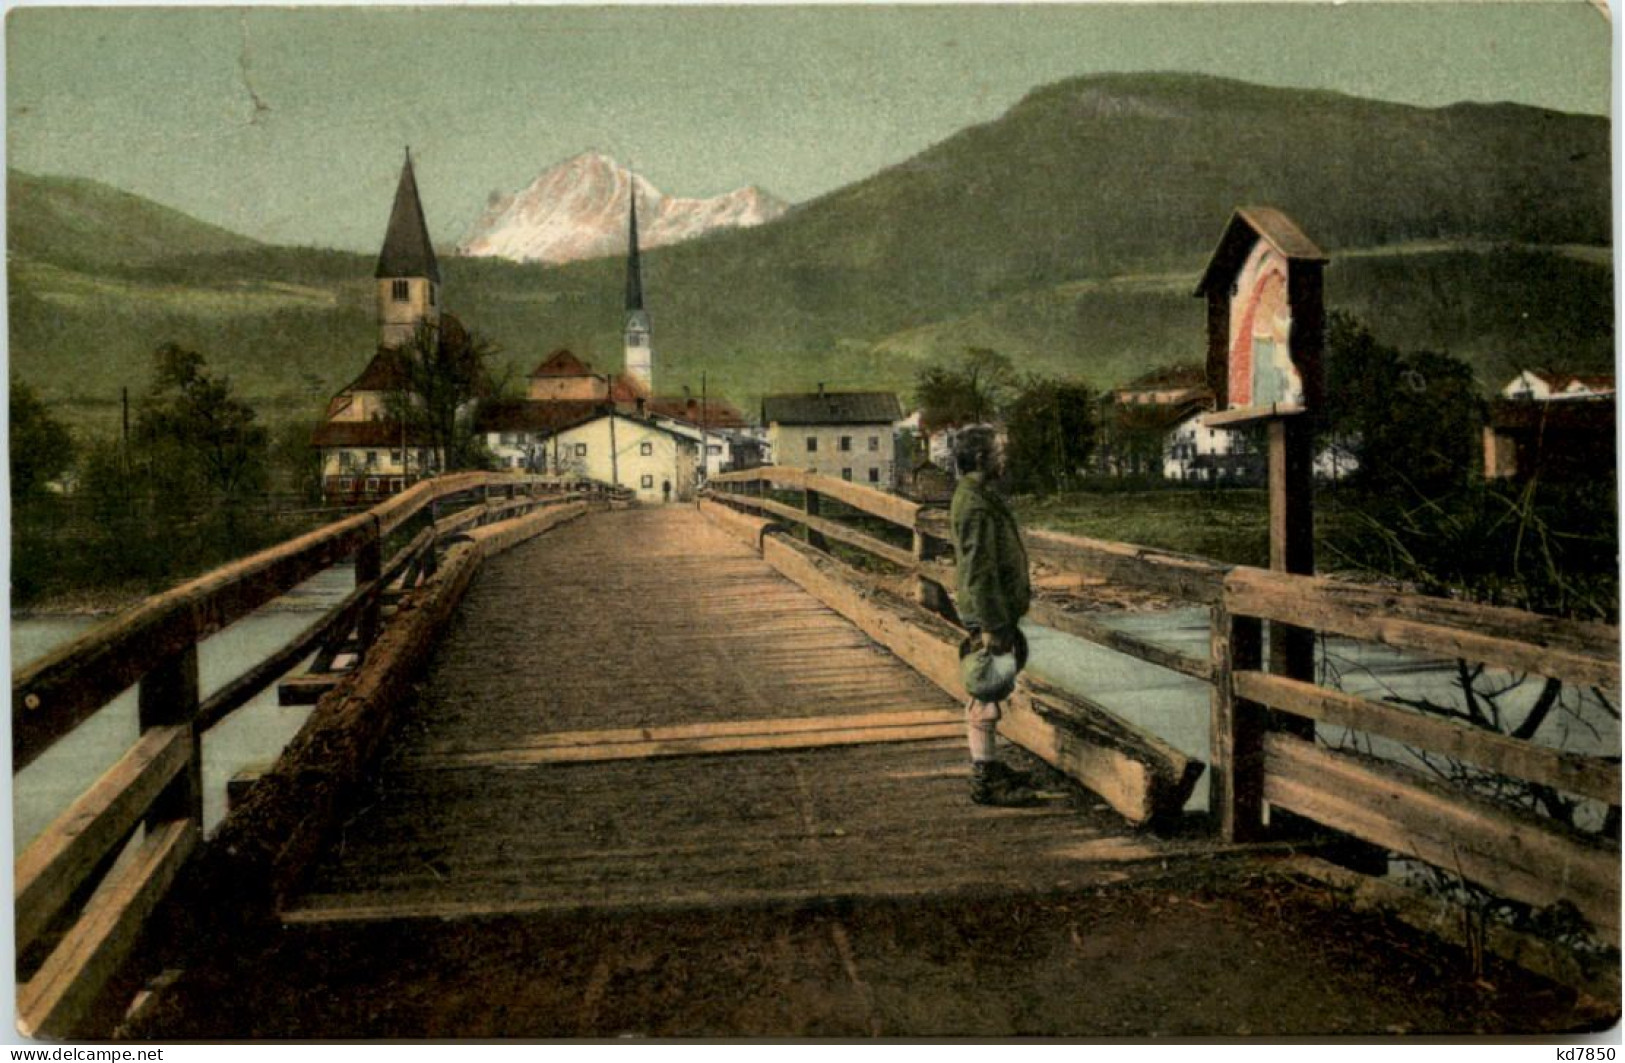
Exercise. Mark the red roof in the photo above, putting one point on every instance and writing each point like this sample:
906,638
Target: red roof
562,363
362,434
715,413
384,373
531,415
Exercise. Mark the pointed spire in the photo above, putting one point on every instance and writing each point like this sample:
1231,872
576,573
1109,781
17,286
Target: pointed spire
634,268
407,251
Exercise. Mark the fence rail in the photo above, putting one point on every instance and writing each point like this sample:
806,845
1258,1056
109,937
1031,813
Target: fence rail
1259,757
86,884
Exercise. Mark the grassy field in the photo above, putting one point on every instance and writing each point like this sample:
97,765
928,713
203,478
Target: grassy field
1231,525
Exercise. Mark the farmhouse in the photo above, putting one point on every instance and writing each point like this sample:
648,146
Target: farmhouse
850,434
1557,425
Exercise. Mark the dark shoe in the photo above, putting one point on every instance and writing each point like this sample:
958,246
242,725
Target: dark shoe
1004,773
991,783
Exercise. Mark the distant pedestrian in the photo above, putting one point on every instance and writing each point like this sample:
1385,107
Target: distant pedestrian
993,595
665,490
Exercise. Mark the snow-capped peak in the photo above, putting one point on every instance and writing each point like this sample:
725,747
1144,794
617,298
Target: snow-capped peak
578,209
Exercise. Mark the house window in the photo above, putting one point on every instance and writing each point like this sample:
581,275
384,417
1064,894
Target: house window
874,476
646,449
846,442
714,448
874,444
581,450
846,474
372,485
396,483
401,291
648,481
812,444
346,483
372,459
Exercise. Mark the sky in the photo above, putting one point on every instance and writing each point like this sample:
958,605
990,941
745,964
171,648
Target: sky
289,124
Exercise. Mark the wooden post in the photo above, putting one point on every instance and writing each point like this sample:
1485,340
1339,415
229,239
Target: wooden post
369,565
1292,544
814,540
168,695
1236,778
922,592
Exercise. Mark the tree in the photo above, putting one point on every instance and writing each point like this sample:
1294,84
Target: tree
1412,420
443,371
41,448
194,434
974,393
1051,426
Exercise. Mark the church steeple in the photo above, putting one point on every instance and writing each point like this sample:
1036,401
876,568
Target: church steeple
634,265
639,355
408,273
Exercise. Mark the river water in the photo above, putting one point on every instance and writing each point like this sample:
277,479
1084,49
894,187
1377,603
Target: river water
1171,706
253,735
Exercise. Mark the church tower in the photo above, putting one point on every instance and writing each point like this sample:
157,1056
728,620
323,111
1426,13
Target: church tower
639,355
408,274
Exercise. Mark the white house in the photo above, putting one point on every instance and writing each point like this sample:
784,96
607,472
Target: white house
1198,453
594,441
1539,385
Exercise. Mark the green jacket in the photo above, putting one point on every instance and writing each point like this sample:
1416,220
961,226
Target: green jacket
993,591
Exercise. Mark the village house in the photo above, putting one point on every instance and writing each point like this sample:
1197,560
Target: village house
1556,425
367,452
1196,453
594,440
849,434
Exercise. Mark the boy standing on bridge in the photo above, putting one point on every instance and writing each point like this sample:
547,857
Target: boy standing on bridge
992,596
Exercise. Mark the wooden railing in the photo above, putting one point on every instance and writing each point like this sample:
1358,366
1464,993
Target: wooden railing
1259,756
1514,854
87,883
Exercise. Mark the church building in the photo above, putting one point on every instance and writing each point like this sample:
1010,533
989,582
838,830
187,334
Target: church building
367,452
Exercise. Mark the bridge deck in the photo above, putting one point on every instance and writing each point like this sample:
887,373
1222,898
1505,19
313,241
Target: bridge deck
635,711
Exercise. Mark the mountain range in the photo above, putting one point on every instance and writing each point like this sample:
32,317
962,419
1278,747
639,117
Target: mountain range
578,210
1069,233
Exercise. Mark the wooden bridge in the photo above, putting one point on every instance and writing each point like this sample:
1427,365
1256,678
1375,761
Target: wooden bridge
747,705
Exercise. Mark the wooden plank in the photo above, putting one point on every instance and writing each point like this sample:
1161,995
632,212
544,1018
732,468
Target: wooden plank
1143,778
1180,576
55,864
168,696
743,526
62,992
307,689
1513,854
239,691
679,747
495,538
771,725
56,693
1570,650
1087,627
1236,729
1573,773
264,846
835,530
876,503
1132,780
